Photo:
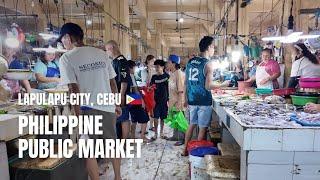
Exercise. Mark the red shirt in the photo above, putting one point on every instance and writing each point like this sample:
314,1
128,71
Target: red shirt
272,67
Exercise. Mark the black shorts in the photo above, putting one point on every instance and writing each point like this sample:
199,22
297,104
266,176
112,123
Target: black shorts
160,111
108,124
138,114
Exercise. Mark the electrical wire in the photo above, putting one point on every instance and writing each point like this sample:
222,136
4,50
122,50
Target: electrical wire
222,20
269,13
17,9
58,12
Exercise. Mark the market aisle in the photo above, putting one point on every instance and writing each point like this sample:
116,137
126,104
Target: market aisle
160,160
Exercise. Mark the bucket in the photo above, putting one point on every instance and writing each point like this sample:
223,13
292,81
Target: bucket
195,144
243,85
197,164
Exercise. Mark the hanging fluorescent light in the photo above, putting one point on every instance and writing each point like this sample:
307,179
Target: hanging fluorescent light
89,22
50,49
47,36
12,42
291,38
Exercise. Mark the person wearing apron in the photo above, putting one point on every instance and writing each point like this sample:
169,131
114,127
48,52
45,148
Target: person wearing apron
47,71
267,72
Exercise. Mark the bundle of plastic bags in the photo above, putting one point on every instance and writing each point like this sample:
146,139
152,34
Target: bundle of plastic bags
176,120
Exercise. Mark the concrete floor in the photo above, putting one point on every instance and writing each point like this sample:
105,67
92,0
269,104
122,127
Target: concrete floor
160,160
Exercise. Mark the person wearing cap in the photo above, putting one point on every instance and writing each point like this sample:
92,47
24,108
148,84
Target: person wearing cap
87,70
176,91
305,65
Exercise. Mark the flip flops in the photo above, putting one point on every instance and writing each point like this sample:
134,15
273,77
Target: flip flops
178,143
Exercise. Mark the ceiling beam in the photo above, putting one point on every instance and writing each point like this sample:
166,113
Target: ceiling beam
172,9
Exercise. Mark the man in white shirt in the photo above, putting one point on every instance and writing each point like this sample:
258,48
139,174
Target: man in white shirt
87,70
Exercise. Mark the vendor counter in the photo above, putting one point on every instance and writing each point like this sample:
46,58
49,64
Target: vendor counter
9,127
271,152
9,124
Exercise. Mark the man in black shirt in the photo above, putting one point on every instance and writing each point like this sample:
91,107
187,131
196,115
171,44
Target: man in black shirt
120,65
161,96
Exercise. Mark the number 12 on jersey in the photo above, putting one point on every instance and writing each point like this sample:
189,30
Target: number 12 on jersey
193,74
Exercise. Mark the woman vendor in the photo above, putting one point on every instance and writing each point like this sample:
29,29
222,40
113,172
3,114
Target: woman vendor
47,70
14,63
305,65
267,72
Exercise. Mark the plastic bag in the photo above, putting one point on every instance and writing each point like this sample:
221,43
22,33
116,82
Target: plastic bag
176,120
148,97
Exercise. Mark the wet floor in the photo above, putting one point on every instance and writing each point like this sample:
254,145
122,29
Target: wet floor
160,160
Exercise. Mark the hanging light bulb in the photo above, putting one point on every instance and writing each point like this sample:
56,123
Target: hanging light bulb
181,20
89,22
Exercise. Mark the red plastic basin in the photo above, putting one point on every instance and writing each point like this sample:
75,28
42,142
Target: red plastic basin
283,92
195,144
310,79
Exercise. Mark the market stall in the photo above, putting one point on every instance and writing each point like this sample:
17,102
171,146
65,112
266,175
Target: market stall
269,140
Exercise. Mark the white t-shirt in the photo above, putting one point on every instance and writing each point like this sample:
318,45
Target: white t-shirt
305,68
90,68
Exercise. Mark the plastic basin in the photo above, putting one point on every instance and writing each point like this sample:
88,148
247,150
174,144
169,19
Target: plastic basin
242,86
195,144
303,100
283,92
202,151
263,91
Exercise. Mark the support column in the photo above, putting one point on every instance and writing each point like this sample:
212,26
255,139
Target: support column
107,21
243,27
143,32
298,26
158,40
124,19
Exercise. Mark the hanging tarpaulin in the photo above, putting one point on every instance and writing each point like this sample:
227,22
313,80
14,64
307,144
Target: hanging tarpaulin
246,50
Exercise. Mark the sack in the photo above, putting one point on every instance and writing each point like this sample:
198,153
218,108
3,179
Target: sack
176,120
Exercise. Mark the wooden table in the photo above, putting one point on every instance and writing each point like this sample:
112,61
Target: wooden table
273,153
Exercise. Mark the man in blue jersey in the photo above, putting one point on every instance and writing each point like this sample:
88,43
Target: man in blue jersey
199,82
